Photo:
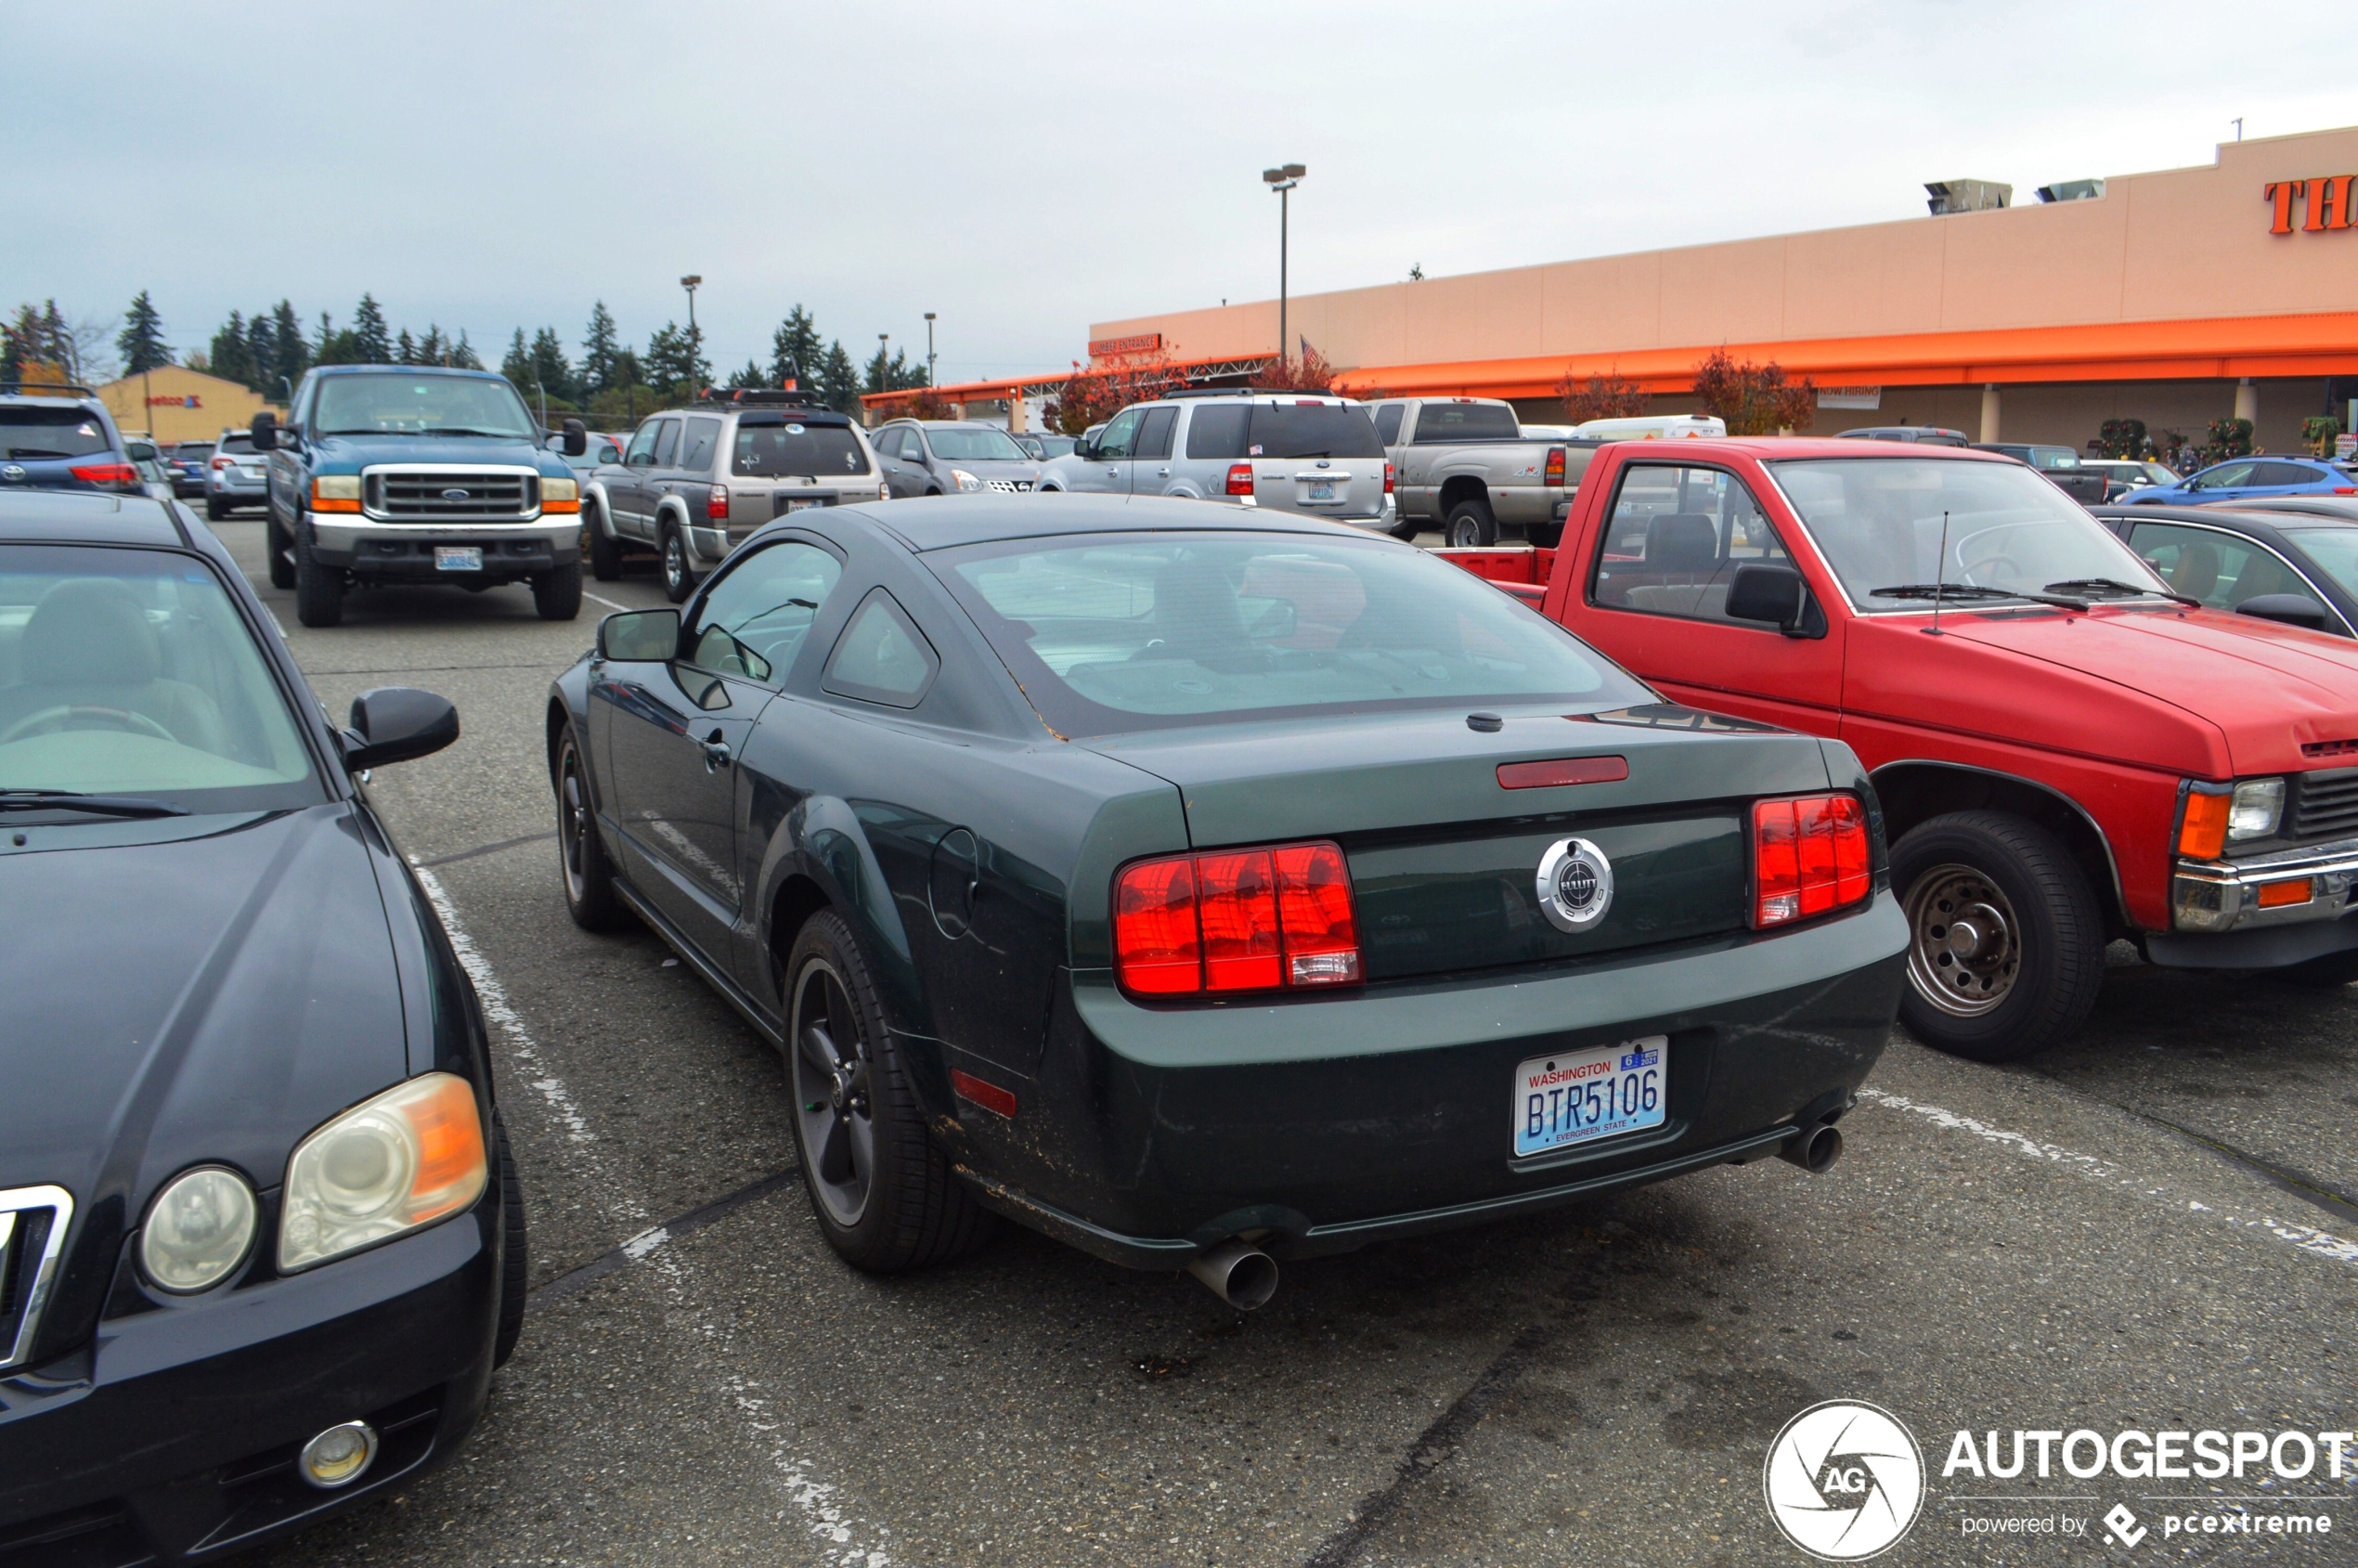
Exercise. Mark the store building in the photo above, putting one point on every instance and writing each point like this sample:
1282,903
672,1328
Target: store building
2176,297
172,403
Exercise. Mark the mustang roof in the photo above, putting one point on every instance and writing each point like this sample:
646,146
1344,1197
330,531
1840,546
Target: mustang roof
63,516
944,523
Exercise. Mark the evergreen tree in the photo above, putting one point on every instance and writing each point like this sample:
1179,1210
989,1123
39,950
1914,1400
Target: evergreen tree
517,366
628,370
19,343
334,347
463,356
141,341
59,346
675,361
896,375
371,344
262,354
751,376
598,350
549,365
232,358
839,380
404,349
794,354
432,348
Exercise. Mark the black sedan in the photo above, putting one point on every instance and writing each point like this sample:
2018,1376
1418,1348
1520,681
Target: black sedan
260,1243
2293,560
1202,886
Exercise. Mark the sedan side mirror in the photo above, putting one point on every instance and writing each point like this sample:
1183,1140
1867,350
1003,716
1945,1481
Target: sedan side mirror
395,723
577,438
2287,609
640,636
1775,594
265,430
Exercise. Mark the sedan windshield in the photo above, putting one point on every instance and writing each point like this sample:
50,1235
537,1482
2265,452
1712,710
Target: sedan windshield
130,673
377,405
975,445
1146,631
1879,524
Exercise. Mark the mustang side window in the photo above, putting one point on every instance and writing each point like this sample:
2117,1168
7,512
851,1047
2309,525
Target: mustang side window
1674,540
881,657
2218,568
753,620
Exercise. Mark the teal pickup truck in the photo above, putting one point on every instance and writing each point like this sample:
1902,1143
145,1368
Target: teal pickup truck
386,473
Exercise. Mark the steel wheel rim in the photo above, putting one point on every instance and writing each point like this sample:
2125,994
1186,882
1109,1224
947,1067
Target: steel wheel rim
1964,946
834,1117
572,807
675,562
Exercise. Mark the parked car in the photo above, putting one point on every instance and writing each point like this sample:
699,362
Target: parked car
1044,444
1651,427
2240,479
2083,754
61,438
2124,474
2060,465
238,476
596,449
388,474
2279,565
156,473
952,457
1546,432
1926,434
695,482
1314,454
261,1240
1198,885
1464,466
191,461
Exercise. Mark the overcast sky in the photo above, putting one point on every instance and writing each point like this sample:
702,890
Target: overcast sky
1024,170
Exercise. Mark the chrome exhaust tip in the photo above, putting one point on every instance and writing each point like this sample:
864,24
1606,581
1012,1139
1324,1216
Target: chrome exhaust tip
1814,1148
1238,1272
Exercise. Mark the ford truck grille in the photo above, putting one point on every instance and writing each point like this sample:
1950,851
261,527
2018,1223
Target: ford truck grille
33,1232
2325,805
449,495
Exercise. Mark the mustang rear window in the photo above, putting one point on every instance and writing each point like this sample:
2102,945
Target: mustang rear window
805,451
1126,632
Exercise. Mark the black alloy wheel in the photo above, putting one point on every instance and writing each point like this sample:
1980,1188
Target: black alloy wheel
2005,939
318,590
605,551
1470,525
590,898
884,1194
679,577
515,1256
281,548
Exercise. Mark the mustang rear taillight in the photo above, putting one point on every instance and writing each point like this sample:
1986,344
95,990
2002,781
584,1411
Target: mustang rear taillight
1240,479
1555,474
1235,920
107,474
1808,856
716,502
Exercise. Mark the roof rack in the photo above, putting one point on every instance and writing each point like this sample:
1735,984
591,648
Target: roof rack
45,389
760,398
1245,391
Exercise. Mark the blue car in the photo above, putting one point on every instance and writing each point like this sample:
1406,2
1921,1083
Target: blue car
61,438
2244,478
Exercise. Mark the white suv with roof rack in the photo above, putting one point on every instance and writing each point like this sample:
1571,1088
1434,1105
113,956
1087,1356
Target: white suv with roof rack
1313,453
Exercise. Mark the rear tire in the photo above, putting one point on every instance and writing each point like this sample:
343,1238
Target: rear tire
318,590
605,551
1470,525
853,1106
1546,536
515,1255
214,511
679,577
1407,532
2006,942
556,594
590,898
281,548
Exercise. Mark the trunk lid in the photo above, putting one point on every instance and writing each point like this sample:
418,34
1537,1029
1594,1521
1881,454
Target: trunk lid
1445,860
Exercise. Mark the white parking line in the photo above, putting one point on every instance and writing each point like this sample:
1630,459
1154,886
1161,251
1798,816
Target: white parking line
607,602
2308,1239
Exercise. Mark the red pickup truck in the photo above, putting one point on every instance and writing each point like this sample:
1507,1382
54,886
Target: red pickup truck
2065,751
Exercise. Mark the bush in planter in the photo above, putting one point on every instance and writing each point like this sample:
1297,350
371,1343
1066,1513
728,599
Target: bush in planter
2122,438
2229,439
2317,433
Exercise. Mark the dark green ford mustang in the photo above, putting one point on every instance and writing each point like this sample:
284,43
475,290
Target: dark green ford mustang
1200,885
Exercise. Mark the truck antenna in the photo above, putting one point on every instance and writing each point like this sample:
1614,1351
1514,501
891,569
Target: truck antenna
1939,575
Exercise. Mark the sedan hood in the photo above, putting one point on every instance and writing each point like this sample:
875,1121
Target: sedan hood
210,997
2269,688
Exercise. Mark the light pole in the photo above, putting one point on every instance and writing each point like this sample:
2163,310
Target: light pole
930,380
694,344
1282,181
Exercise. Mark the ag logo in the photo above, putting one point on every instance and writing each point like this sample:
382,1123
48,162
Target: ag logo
1576,885
1844,1481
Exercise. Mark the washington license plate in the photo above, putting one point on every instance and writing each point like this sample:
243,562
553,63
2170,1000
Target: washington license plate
1583,1096
458,558
1322,490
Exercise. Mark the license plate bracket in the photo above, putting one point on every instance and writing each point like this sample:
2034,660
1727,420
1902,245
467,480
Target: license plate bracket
458,558
781,504
1591,1094
1320,490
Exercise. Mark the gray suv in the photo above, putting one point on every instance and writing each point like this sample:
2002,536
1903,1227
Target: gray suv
695,481
1311,453
952,457
236,476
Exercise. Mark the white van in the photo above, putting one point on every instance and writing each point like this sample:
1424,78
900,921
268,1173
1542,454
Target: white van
1652,427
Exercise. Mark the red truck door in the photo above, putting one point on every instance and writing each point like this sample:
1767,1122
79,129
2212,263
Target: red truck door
1648,584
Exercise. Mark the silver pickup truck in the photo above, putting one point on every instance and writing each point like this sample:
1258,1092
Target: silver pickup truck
1463,467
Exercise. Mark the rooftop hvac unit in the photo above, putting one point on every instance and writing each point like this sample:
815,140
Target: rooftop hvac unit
2071,191
1967,196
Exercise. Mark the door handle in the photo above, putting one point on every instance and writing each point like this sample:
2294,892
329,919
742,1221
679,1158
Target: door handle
716,752
1162,474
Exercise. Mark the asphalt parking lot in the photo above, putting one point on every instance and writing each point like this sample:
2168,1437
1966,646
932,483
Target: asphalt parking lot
2154,1227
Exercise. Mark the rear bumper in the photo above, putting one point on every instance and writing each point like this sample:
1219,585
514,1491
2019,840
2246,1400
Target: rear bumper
1150,1133
394,551
173,1438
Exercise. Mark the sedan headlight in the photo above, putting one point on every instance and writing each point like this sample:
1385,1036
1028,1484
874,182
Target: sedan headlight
965,481
409,1157
198,1231
2255,809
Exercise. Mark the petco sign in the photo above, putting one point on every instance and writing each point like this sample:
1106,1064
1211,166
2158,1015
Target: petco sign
185,400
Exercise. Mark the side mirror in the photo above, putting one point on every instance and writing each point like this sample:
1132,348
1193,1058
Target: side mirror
2287,609
1775,594
395,723
265,430
140,451
640,636
1085,449
577,438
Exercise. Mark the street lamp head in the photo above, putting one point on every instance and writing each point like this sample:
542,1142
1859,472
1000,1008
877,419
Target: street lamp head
691,280
1294,171
928,315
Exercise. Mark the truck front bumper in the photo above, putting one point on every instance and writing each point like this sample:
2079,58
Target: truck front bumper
2262,912
512,552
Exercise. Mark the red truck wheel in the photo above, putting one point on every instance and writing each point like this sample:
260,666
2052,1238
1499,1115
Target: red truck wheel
2006,945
